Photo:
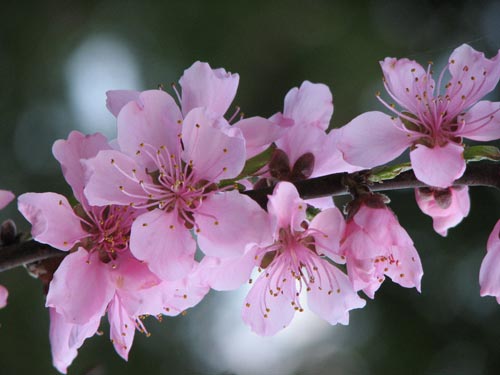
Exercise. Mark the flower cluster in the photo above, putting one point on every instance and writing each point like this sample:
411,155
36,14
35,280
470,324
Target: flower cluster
173,182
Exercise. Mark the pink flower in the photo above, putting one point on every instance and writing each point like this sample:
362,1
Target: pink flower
293,260
99,275
432,121
376,245
447,207
489,275
304,149
5,198
170,163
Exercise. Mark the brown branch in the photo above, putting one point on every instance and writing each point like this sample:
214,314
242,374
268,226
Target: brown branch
477,174
26,252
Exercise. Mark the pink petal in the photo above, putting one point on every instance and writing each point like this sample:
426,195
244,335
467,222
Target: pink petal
489,275
407,271
482,122
203,86
115,178
449,217
333,160
146,125
52,219
228,273
216,149
259,133
164,243
81,288
5,198
372,139
117,99
230,222
404,79
285,207
66,338
69,153
180,295
310,105
330,227
332,300
4,293
438,166
267,314
121,327
464,63
132,275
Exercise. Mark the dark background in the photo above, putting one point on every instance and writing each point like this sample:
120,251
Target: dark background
58,58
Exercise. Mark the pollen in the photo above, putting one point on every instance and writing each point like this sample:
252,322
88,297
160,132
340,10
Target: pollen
338,291
225,150
65,243
216,223
112,161
60,203
185,296
402,275
179,122
247,304
121,187
144,224
171,226
224,169
197,125
300,207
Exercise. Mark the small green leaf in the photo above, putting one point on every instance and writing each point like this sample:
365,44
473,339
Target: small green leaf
388,172
477,153
252,166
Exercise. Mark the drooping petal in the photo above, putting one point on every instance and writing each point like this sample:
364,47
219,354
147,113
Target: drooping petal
115,178
328,228
438,166
481,122
489,275
117,99
372,139
121,327
407,269
228,273
164,243
444,217
259,133
286,209
331,295
229,222
151,123
52,219
405,79
311,105
473,76
203,86
215,149
69,153
81,288
66,338
264,312
5,198
4,294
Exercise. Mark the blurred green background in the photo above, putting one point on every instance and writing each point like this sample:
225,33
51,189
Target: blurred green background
58,58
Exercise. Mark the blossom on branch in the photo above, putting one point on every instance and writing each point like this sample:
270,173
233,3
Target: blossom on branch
169,163
376,245
432,121
294,260
99,275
